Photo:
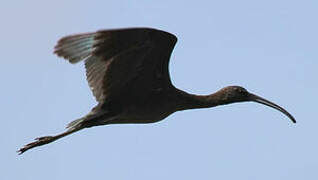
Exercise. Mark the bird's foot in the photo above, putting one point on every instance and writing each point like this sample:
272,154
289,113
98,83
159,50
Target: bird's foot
38,142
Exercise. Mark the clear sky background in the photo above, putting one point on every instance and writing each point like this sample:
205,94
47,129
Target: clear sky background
268,47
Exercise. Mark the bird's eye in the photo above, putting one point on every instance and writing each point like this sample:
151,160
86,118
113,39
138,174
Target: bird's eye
241,91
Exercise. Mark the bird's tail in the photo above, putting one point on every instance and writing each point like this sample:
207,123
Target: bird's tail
76,123
91,119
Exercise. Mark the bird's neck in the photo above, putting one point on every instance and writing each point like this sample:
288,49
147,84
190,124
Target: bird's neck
192,101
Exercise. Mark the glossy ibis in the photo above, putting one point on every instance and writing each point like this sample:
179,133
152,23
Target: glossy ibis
127,70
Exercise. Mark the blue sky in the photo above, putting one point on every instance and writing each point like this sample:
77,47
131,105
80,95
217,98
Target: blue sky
268,47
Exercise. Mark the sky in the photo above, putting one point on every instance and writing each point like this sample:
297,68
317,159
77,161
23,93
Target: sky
268,47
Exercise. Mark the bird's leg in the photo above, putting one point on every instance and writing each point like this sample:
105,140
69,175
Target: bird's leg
47,139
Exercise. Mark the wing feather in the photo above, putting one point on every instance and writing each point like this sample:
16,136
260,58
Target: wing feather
76,47
113,58
95,70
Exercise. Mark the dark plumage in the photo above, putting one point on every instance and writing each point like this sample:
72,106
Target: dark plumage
127,71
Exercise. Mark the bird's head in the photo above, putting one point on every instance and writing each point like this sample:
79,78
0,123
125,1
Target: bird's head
232,94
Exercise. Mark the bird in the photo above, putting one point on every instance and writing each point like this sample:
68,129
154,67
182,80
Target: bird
127,70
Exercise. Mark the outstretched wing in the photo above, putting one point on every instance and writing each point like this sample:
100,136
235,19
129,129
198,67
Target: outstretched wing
121,58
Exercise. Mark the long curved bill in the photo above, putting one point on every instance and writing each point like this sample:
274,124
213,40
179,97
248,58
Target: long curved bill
261,100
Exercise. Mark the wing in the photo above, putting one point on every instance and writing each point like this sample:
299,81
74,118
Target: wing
135,58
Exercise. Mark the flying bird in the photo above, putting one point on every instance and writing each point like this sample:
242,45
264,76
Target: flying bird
128,73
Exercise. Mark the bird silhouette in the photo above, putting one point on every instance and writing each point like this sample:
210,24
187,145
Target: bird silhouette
127,71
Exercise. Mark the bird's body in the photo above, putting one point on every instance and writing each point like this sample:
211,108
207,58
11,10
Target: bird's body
138,110
127,71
